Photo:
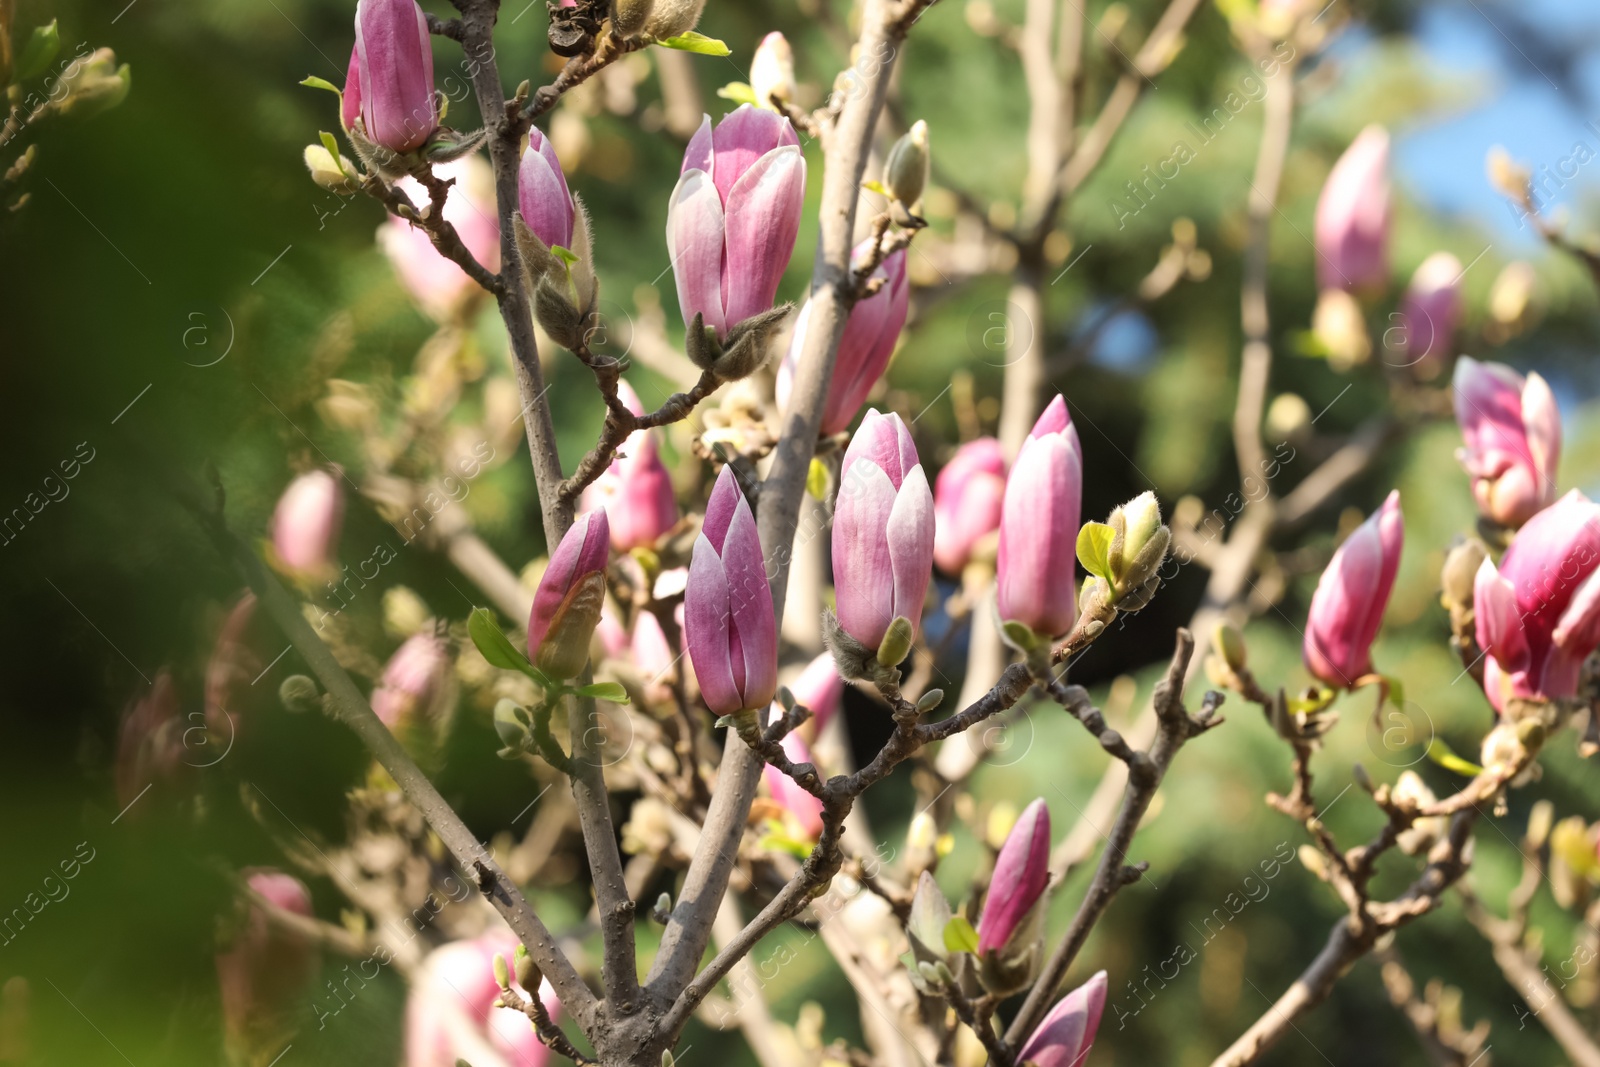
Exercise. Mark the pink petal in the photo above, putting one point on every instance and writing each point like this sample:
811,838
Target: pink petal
706,624
763,217
910,536
863,571
695,239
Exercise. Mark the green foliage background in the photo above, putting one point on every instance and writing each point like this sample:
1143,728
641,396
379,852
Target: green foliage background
188,210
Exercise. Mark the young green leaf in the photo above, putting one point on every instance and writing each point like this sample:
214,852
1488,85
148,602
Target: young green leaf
697,43
498,649
817,480
1441,754
959,936
739,93
612,691
1094,549
332,146
43,44
315,82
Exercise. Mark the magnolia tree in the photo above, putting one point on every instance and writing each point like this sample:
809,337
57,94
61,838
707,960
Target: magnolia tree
679,664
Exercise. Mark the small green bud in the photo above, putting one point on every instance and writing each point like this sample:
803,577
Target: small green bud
905,173
1230,646
299,694
510,724
528,976
896,643
502,976
930,700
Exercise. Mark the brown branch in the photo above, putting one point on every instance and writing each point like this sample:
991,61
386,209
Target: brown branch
847,145
1174,727
354,711
620,422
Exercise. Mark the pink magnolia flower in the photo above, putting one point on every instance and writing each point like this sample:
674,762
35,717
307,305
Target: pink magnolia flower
1431,309
882,531
265,970
728,618
801,806
820,689
395,59
1512,432
869,338
1352,222
733,218
149,741
568,602
1347,607
1538,614
967,498
1064,1037
438,286
306,523
1021,872
411,678
653,656
542,194
350,99
772,70
636,491
450,1013
234,664
1039,517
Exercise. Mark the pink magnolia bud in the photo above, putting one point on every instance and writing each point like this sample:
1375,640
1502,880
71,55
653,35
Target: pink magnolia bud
411,678
149,741
305,526
967,498
728,619
799,805
819,689
437,285
265,970
636,491
234,664
395,57
350,99
1538,615
1512,432
869,338
450,1014
1352,223
882,531
653,657
1432,310
542,194
1347,607
1021,872
1039,518
567,604
733,218
1064,1037
610,632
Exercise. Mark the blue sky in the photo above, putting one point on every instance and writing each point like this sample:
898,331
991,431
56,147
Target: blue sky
1519,107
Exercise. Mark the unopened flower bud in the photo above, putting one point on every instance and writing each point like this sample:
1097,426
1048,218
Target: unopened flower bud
1139,542
510,724
905,173
404,612
1460,573
566,608
772,71
336,176
94,84
1341,329
527,972
930,914
896,643
299,694
502,975
628,16
1230,646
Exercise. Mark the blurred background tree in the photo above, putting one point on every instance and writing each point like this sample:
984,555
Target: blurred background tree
178,294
